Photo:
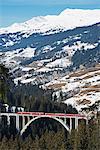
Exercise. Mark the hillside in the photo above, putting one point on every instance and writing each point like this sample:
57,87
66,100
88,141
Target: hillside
50,51
80,88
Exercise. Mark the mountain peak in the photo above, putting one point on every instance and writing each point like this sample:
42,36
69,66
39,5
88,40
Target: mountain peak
67,19
78,11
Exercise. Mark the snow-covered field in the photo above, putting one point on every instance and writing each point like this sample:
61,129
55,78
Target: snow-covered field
81,88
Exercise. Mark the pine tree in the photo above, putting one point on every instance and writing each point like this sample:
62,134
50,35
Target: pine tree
82,137
4,144
3,83
94,135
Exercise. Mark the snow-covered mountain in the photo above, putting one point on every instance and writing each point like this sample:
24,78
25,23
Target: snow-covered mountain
68,19
49,48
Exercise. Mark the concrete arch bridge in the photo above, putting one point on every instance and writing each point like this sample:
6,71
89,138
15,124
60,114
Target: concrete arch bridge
24,119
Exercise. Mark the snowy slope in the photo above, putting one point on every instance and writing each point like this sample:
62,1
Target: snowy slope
81,88
44,51
68,19
43,56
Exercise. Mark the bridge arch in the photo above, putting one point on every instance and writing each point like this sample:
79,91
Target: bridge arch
36,118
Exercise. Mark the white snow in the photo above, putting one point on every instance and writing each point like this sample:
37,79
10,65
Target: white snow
47,48
10,55
68,19
63,62
93,97
27,80
84,90
28,52
26,69
78,46
9,43
44,69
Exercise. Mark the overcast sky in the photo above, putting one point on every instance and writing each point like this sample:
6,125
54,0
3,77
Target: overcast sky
12,11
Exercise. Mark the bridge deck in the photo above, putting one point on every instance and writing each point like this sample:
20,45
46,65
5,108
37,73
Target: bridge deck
42,114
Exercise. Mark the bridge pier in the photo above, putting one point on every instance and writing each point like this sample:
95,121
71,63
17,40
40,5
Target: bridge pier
23,121
8,120
76,123
28,118
70,124
0,119
17,123
65,120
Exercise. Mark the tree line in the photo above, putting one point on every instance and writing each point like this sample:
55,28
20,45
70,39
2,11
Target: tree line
31,97
85,138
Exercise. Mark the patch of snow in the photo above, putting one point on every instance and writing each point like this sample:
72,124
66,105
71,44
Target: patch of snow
1,53
63,62
9,43
78,46
27,80
28,52
26,69
44,69
47,48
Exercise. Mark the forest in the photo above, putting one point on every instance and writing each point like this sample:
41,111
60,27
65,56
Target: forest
86,138
45,134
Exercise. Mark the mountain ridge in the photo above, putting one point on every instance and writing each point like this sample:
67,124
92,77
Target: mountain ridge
42,24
